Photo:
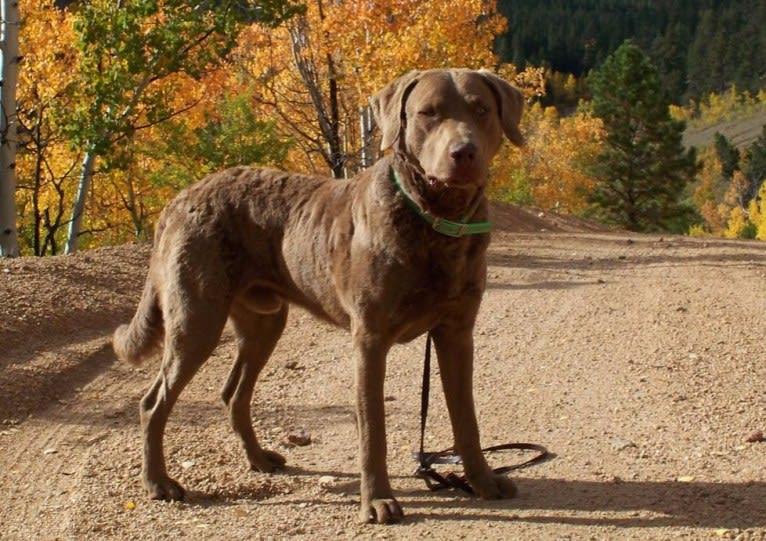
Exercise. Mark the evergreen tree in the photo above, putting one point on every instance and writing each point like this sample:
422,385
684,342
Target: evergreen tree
728,154
643,169
669,54
755,163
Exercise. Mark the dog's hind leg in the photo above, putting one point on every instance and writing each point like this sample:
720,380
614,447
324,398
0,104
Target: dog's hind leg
190,337
257,334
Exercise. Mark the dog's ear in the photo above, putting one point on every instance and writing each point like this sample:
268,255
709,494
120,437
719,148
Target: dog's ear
388,107
510,104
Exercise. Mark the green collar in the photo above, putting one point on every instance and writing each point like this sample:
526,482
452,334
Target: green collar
441,225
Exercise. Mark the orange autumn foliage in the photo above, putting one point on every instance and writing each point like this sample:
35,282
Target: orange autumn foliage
317,72
45,162
349,51
550,172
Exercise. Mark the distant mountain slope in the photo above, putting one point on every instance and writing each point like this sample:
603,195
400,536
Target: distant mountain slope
741,132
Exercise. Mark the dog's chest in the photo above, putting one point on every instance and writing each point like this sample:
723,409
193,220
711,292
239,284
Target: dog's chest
435,287
443,272
445,276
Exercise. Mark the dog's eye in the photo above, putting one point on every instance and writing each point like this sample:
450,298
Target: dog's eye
481,109
427,112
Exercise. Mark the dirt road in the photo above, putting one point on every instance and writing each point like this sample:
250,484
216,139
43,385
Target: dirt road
639,361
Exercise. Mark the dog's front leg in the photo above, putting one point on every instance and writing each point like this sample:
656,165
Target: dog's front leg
454,348
378,503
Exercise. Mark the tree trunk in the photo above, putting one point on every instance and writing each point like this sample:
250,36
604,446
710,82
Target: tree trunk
75,224
336,152
38,181
365,130
9,46
328,114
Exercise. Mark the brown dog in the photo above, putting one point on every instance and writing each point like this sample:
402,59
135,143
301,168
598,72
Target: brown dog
244,243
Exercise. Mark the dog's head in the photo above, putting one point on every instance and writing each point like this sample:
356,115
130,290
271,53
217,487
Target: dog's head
452,121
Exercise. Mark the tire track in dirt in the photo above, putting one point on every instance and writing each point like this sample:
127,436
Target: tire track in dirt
43,457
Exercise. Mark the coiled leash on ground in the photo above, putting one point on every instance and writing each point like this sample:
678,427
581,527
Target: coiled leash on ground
433,479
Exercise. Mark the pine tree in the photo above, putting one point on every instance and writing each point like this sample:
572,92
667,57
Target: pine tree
755,163
643,170
727,153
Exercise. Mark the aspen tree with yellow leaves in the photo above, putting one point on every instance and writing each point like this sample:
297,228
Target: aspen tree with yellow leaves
46,163
128,51
292,95
550,172
121,108
316,73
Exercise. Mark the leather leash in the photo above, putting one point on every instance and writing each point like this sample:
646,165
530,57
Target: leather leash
433,479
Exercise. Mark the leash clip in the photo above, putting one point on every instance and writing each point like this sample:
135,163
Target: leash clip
435,481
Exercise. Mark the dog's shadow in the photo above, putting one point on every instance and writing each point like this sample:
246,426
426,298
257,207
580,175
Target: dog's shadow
629,504
547,501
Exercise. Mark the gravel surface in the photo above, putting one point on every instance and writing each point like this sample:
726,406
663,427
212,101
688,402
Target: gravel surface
638,360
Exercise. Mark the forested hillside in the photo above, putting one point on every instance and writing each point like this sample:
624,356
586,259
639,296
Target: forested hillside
699,46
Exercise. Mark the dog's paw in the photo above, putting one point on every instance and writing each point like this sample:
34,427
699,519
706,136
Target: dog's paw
495,487
164,489
267,461
381,511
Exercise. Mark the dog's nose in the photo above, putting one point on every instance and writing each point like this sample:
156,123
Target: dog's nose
463,153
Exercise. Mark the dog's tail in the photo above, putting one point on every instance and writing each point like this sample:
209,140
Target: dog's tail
137,340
